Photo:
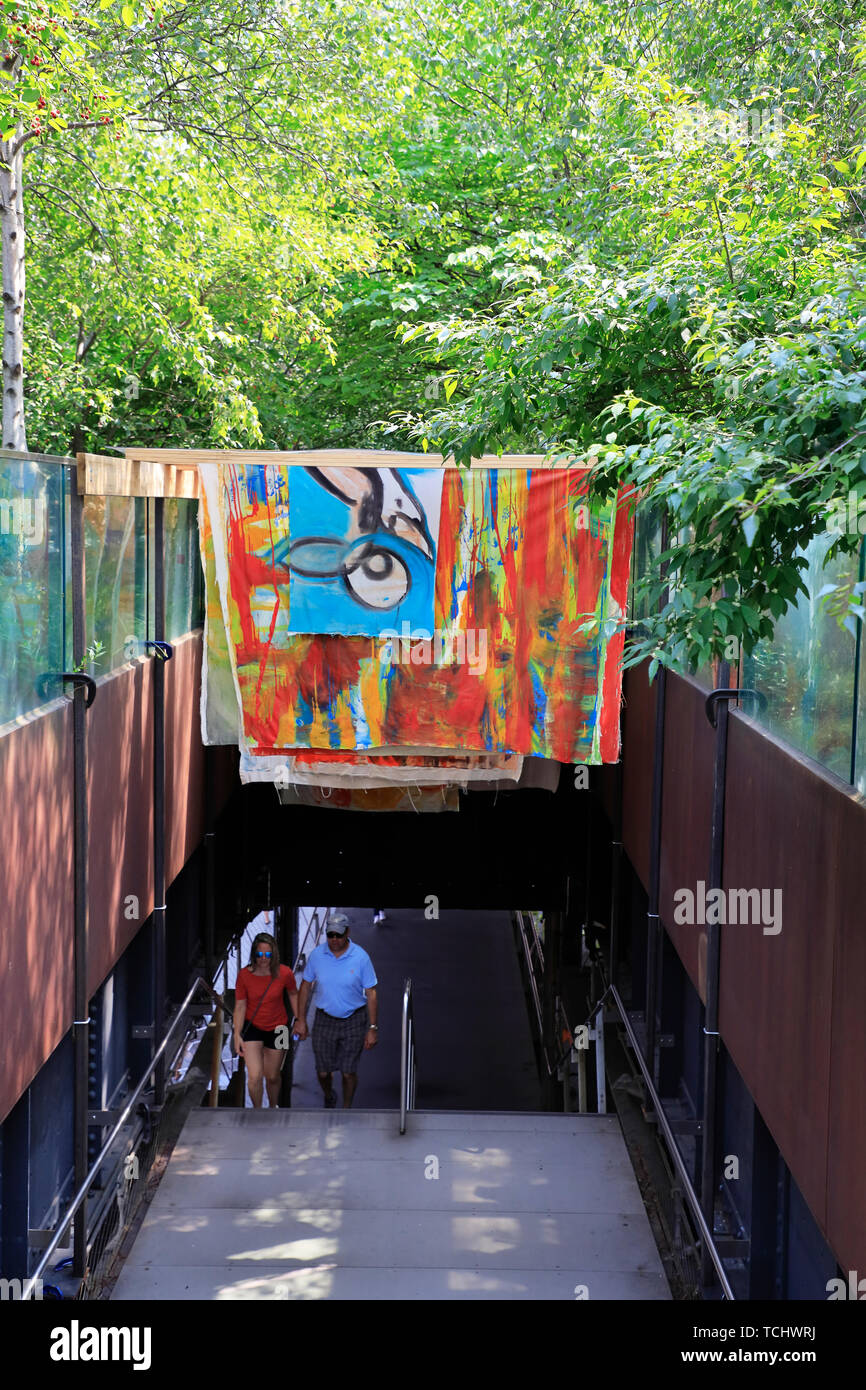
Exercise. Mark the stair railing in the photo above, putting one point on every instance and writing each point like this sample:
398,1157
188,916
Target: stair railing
407,1057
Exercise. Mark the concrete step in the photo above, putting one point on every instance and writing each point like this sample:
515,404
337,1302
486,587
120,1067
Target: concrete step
336,1282
338,1204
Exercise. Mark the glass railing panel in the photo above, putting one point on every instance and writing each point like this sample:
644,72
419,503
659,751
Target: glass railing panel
647,548
807,671
35,638
116,580
183,578
859,758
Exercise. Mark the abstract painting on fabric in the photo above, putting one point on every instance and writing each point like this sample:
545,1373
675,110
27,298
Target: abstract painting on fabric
518,653
361,545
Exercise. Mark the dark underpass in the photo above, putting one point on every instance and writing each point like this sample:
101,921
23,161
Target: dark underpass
475,1049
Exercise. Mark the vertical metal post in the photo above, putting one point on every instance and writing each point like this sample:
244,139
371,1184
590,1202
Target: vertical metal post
653,925
210,903
551,986
81,1018
587,886
652,941
858,647
600,1085
209,869
615,874
217,1025
159,981
714,945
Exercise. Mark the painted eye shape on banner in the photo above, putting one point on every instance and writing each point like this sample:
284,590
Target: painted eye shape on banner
316,557
375,577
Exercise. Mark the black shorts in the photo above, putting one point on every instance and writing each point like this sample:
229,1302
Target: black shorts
250,1033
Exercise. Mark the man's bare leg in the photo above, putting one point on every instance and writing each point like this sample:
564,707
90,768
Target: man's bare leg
350,1081
325,1082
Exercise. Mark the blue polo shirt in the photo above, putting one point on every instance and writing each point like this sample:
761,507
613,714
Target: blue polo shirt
340,980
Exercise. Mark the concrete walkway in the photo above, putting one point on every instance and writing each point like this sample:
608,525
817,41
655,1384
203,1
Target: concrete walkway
321,1204
473,1039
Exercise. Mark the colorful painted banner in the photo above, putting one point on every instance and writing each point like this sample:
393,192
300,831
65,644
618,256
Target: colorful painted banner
522,655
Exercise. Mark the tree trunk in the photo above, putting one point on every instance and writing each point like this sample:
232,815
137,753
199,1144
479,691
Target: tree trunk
12,241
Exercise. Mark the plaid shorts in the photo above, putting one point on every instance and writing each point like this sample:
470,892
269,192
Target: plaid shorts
339,1042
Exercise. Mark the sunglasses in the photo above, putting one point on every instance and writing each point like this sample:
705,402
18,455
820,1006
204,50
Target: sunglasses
339,934
264,953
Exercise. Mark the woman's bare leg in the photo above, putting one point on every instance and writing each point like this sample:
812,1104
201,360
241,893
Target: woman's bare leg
272,1074
253,1058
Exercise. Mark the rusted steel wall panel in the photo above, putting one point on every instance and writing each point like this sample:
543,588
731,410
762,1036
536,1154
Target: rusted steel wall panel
184,756
792,1008
687,798
637,767
120,812
36,871
36,846
846,1146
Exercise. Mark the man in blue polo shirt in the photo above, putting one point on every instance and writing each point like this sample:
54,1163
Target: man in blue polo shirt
345,990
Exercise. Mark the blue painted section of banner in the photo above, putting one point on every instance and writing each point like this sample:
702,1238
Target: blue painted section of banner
347,580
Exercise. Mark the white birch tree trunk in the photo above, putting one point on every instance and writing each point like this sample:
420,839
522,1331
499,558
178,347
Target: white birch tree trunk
12,243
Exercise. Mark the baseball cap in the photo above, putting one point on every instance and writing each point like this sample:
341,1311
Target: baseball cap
337,921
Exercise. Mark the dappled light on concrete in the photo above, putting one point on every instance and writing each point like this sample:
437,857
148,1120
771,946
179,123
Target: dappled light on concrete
304,1204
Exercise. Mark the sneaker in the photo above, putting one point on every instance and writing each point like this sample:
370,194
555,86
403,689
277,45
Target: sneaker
331,1101
378,916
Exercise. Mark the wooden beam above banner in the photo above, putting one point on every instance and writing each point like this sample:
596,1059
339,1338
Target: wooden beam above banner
328,458
102,476
174,472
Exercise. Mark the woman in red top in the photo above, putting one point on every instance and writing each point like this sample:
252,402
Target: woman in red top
259,1012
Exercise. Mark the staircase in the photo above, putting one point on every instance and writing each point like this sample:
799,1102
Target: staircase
315,1204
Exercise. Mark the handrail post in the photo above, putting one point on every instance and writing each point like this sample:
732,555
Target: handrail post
712,1040
600,1082
581,1081
655,846
214,1097
81,999
407,1057
158,676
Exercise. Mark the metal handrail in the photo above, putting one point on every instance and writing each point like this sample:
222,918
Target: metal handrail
524,932
300,960
527,954
673,1148
407,1057
97,1164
